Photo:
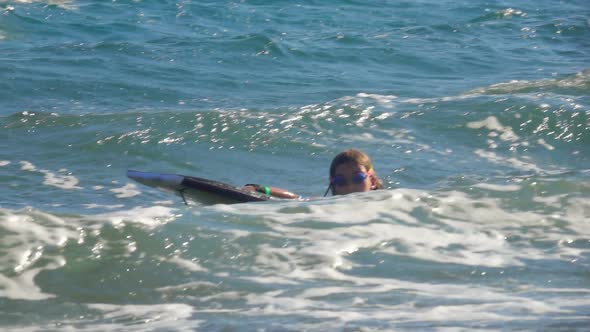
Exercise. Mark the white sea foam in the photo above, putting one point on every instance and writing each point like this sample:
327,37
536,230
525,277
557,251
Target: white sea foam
4,163
102,206
333,245
58,180
577,215
498,187
65,4
467,231
431,304
62,181
420,101
391,101
186,264
22,286
127,191
578,80
149,216
492,123
498,306
166,202
511,12
512,161
145,317
186,286
383,100
546,145
313,267
29,233
27,166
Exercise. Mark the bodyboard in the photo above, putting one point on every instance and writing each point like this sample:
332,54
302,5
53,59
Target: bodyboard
197,189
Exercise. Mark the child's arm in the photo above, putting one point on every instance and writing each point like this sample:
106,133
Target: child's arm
272,191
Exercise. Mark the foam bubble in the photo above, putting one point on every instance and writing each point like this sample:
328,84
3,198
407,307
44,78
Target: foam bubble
508,12
101,206
513,162
67,182
497,187
546,145
151,216
186,264
166,202
128,190
62,181
385,101
492,123
182,288
27,166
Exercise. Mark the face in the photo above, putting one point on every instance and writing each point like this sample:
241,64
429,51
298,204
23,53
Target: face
350,171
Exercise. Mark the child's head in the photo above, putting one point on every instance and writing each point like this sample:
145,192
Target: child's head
352,171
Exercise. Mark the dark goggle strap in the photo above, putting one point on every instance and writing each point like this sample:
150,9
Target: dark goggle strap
329,187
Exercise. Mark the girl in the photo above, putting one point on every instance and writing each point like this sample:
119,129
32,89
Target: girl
352,171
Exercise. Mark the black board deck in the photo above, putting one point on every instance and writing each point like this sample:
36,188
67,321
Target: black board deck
197,189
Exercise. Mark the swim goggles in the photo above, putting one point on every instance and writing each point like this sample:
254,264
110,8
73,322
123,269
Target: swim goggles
357,178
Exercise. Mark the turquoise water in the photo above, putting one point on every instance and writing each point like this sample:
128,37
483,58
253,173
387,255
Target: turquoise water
476,115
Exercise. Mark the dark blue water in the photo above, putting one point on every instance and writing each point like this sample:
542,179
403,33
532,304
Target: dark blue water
476,115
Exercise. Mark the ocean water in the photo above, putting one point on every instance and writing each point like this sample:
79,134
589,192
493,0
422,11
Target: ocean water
476,115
